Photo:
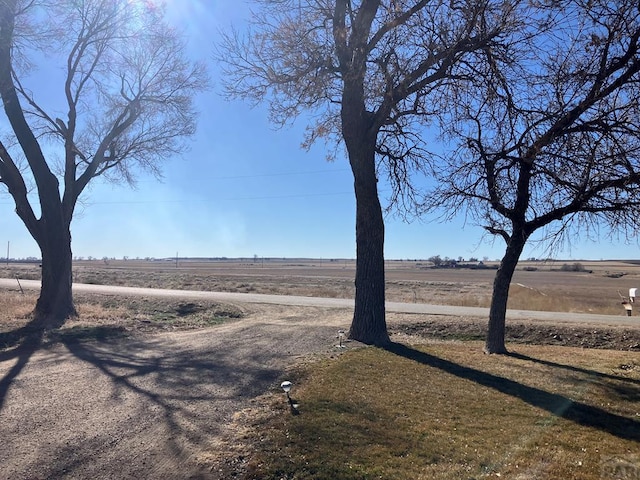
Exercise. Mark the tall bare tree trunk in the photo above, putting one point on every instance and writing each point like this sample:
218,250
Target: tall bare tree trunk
497,313
55,303
369,324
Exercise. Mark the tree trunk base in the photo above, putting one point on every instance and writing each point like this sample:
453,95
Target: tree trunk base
52,320
382,340
495,350
46,322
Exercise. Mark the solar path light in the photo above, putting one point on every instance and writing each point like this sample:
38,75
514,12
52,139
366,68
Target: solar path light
286,386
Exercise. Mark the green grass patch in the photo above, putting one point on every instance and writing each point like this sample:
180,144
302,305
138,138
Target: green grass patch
447,411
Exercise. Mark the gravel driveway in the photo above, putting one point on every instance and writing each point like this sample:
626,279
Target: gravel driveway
150,408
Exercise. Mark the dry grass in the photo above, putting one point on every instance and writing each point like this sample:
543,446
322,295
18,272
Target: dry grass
551,299
14,305
15,314
567,299
446,411
106,316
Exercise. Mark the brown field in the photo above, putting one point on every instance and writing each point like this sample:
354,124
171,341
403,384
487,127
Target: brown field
536,285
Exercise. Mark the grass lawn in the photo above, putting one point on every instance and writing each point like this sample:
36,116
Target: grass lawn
445,410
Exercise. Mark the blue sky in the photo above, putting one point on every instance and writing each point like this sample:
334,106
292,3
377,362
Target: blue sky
246,189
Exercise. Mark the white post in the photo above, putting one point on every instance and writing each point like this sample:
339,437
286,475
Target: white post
632,294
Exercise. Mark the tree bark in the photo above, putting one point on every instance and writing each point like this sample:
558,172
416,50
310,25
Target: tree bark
497,313
55,303
369,324
360,131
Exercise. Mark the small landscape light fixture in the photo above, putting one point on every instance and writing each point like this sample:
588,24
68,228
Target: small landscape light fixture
286,386
340,338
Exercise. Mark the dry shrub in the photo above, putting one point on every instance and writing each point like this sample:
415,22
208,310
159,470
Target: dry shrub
523,298
475,300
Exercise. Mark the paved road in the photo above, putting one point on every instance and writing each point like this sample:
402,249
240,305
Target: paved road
293,300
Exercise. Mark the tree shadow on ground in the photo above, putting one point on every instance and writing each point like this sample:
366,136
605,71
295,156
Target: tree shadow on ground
186,390
176,392
17,337
571,368
559,405
159,406
20,344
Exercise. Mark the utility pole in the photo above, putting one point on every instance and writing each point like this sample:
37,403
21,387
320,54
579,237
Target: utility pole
8,243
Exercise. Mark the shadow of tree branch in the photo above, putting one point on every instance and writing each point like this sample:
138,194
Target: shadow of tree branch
559,405
22,343
156,406
181,386
571,368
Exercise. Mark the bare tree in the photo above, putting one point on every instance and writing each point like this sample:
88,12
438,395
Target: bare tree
125,90
549,136
364,72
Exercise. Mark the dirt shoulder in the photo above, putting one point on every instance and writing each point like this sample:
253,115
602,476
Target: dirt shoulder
521,331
